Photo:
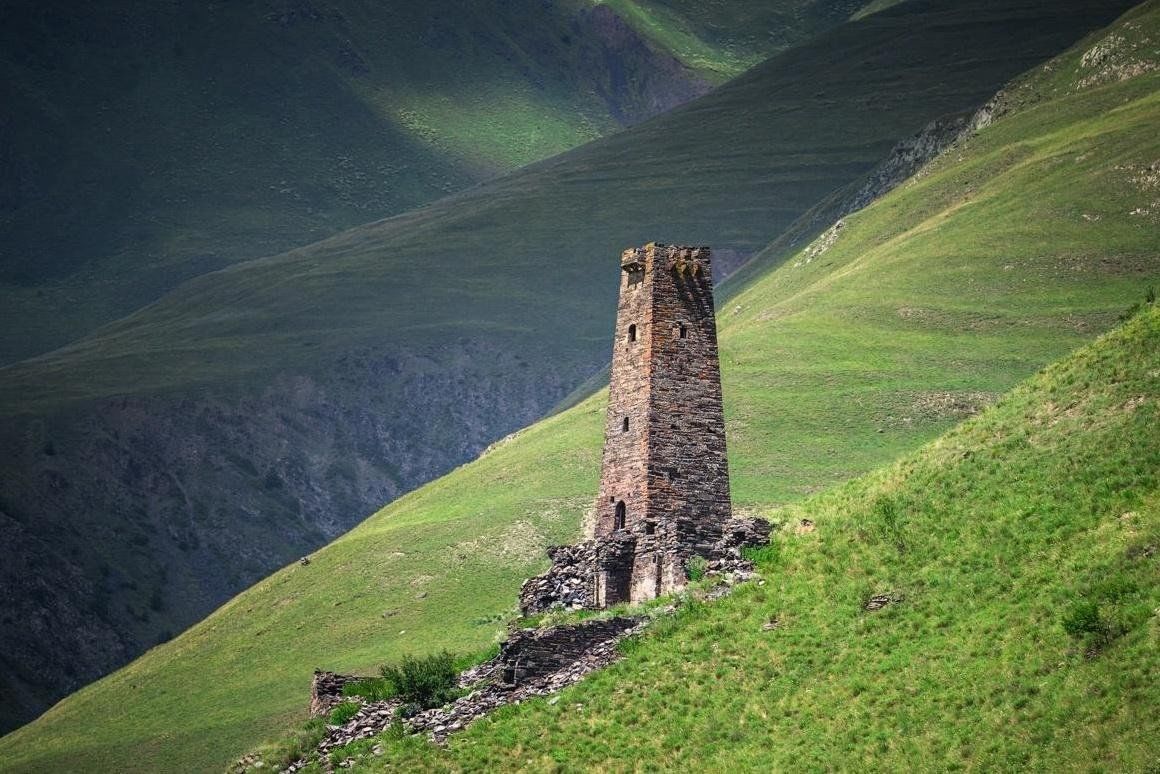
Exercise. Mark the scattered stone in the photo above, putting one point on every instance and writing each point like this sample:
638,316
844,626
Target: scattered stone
879,601
304,561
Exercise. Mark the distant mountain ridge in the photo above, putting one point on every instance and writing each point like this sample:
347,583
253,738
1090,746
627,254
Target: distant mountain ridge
146,143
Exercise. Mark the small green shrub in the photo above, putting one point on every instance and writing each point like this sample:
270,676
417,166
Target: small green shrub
695,568
429,681
1083,620
767,556
341,715
370,688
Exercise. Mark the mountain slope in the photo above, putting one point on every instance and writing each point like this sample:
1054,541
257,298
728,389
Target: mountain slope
813,369
1019,552
180,454
146,143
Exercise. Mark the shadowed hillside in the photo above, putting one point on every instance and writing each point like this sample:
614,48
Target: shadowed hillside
834,363
145,143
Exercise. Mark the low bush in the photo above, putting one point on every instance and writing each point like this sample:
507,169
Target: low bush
340,715
370,688
695,568
429,681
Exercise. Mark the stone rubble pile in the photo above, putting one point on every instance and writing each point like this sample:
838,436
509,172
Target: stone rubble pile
741,532
531,663
569,582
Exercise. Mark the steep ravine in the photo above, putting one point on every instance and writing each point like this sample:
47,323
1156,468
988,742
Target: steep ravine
220,489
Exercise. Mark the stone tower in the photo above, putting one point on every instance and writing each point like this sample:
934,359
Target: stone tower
664,485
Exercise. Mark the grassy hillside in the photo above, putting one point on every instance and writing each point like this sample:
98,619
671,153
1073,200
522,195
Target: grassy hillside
266,125
1020,552
155,468
732,169
146,143
831,368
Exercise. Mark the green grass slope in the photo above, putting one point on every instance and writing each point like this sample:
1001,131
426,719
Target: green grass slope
1020,550
146,143
155,468
815,363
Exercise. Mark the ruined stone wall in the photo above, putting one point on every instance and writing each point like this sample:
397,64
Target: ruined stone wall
532,653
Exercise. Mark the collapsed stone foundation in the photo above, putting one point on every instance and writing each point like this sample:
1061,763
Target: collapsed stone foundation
573,580
530,663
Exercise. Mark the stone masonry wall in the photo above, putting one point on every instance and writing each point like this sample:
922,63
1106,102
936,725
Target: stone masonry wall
532,653
664,446
623,467
664,484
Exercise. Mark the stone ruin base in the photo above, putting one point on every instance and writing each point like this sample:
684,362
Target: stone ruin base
570,583
530,663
